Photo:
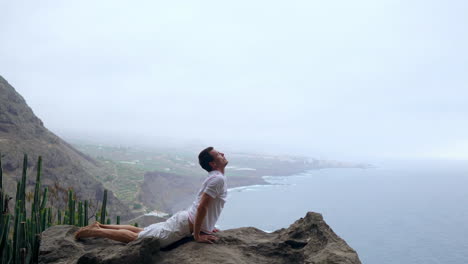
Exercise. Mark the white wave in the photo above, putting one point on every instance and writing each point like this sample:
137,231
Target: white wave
245,169
247,188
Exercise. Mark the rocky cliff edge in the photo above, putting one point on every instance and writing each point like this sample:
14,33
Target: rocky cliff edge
308,240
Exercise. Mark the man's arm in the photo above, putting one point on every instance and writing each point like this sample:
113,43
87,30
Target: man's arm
201,213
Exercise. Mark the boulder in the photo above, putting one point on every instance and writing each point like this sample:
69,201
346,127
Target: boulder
308,240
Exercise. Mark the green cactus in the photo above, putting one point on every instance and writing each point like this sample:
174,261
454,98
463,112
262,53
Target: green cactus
35,211
28,229
44,198
8,258
18,188
22,242
43,219
65,218
80,214
23,184
71,207
103,209
85,213
49,217
15,232
59,217
22,255
9,253
73,213
1,172
4,233
1,188
20,231
37,189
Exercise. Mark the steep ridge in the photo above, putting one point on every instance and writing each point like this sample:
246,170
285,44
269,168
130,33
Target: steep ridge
63,166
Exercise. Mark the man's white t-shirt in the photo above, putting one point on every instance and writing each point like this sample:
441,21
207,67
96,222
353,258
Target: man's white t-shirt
215,186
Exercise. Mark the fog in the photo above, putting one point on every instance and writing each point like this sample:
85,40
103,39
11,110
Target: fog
352,80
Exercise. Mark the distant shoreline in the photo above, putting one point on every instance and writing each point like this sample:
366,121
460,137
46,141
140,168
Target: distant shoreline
258,180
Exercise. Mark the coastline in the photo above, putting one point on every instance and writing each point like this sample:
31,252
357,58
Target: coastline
239,182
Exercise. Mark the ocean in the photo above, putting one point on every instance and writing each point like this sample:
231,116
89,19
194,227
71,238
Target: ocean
411,212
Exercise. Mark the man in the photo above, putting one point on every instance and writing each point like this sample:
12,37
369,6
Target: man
199,219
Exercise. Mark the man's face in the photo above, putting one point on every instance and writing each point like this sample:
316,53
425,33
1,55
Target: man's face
219,161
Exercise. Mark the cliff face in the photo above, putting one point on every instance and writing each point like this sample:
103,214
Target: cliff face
63,166
308,240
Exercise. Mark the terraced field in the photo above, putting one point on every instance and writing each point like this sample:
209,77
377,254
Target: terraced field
125,167
126,181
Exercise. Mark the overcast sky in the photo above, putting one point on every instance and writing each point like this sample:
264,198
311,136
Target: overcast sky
334,79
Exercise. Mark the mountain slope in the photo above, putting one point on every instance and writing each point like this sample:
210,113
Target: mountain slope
63,166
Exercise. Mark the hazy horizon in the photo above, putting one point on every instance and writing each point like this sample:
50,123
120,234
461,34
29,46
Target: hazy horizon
357,80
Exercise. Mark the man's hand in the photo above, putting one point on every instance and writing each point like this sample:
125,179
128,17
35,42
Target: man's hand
216,230
206,239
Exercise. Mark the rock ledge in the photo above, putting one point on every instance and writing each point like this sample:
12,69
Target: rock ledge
308,240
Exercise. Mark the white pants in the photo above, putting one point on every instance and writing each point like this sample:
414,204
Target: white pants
170,231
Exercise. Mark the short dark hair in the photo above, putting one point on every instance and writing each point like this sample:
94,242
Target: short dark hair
204,158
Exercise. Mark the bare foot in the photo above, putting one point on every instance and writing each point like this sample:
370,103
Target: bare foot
85,232
96,224
76,233
81,231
